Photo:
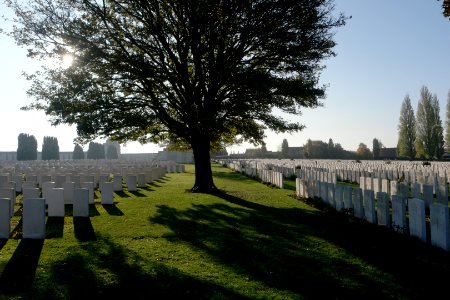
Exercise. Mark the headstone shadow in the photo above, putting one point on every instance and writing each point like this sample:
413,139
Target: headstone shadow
122,194
112,209
83,229
19,272
54,227
138,194
16,232
93,212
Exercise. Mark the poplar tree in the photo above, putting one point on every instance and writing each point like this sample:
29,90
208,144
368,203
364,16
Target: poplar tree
50,148
406,130
78,152
285,149
429,124
447,125
27,147
376,148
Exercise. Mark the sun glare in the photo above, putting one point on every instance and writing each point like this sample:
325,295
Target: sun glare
67,61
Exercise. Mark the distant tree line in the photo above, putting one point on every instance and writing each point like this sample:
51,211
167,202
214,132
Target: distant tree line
27,149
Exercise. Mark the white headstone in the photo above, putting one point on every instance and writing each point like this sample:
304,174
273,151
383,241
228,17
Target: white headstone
399,223
369,207
55,202
31,193
5,220
90,187
107,194
383,214
131,182
440,226
358,204
417,224
10,194
34,218
68,187
81,203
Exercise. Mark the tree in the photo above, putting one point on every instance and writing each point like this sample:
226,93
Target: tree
201,73
429,124
78,152
363,152
376,148
284,149
420,149
26,147
50,148
406,130
95,151
446,8
331,149
447,125
111,152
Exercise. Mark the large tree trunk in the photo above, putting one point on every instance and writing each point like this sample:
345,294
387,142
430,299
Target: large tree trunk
203,175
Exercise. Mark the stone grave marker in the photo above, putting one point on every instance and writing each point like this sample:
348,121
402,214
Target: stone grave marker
33,218
417,225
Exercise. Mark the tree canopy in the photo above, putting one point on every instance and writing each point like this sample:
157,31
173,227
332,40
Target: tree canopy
111,152
78,152
95,151
447,124
50,148
363,151
198,72
406,130
285,149
429,124
376,148
446,8
26,147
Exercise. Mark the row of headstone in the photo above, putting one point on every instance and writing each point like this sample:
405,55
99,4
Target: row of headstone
265,175
272,177
35,210
351,171
400,213
49,198
426,192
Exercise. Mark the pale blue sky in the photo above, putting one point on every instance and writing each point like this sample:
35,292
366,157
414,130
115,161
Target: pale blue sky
387,49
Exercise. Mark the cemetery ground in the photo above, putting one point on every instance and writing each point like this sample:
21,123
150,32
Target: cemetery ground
249,241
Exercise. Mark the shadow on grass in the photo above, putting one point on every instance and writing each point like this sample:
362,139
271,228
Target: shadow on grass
68,210
138,194
83,229
17,231
122,194
19,272
93,212
105,270
112,209
147,188
54,227
301,251
3,243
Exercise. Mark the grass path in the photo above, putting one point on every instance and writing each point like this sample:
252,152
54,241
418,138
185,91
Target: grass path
249,242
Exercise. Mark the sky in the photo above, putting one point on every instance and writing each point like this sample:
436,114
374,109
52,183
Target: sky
387,50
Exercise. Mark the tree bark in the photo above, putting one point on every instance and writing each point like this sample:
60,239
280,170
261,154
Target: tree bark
203,175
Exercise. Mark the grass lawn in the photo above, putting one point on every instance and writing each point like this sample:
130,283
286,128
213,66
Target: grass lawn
251,241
